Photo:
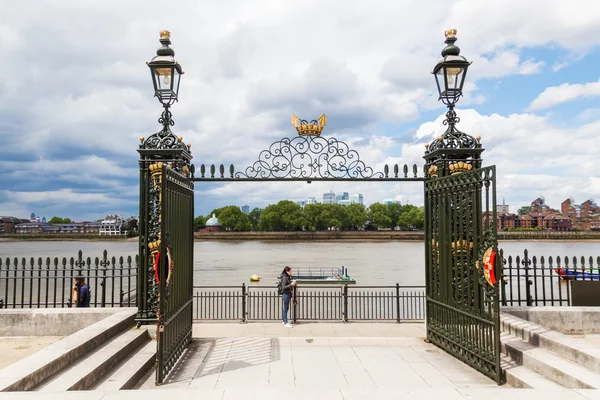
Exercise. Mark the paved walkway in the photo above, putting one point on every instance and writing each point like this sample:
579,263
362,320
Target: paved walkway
318,356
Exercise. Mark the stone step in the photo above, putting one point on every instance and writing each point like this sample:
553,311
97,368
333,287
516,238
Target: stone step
551,366
562,345
37,368
518,376
130,371
84,373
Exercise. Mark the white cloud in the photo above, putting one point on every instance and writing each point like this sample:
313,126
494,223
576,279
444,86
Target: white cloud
555,95
79,87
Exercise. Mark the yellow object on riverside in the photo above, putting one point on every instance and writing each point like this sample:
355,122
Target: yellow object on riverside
254,278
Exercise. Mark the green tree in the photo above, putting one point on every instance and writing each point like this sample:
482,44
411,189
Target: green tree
394,211
233,219
412,217
356,217
216,212
199,222
59,220
524,210
379,216
254,217
283,216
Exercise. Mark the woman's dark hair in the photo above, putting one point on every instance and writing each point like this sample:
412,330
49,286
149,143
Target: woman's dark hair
285,270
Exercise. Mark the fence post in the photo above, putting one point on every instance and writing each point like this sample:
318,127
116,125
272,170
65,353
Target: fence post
104,263
244,312
525,262
345,294
295,305
397,302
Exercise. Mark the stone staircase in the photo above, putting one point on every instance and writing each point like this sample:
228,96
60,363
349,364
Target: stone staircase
107,356
539,358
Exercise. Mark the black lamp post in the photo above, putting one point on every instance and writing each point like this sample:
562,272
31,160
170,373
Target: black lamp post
454,151
166,75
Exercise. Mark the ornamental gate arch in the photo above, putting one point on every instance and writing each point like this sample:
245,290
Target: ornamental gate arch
462,312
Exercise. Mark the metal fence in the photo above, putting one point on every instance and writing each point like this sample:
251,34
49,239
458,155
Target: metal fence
46,282
310,303
542,281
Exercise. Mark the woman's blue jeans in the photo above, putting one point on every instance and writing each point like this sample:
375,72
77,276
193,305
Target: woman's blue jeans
286,306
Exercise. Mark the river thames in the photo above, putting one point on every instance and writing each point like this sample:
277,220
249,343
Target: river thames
232,263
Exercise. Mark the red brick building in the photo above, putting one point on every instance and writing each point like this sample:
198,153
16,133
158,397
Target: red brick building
585,216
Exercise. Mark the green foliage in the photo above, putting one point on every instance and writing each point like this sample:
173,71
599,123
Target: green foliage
59,220
524,210
130,227
379,216
283,216
287,216
199,222
254,218
234,219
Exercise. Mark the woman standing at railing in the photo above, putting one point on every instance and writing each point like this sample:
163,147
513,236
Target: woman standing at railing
286,284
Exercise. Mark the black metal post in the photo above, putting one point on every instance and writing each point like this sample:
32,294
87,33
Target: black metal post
295,305
397,302
345,295
244,311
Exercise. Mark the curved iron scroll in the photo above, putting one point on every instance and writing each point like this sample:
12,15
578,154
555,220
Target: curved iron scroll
309,157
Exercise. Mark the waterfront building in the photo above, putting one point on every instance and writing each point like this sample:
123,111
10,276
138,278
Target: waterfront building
111,225
585,216
36,227
301,203
356,198
329,198
246,209
342,196
388,202
7,224
344,202
503,208
212,225
311,200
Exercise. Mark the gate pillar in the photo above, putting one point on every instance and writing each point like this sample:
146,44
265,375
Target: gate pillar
460,235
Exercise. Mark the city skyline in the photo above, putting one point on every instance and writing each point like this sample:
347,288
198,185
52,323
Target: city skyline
69,139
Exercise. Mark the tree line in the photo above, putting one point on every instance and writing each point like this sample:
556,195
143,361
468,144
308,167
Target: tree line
289,216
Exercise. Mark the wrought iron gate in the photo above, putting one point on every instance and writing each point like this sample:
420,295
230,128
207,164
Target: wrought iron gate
166,244
176,270
460,246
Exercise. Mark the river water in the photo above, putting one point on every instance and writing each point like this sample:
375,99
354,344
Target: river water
232,263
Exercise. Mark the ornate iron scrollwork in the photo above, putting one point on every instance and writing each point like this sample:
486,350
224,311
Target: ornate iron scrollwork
309,157
165,138
453,138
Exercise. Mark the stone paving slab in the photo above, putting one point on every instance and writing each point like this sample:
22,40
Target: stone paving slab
316,394
308,329
14,349
323,364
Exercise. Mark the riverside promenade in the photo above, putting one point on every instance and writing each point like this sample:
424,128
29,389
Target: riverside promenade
316,361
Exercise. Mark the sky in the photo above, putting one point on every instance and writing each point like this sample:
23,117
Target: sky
76,95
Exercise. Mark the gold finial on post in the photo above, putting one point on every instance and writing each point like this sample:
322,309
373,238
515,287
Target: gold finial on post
164,34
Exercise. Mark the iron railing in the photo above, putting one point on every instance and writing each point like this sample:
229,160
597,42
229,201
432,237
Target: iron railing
542,281
46,282
310,303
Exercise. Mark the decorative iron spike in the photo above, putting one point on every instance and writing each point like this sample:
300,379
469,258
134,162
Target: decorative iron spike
212,170
396,171
202,170
415,170
231,170
405,169
386,170
222,170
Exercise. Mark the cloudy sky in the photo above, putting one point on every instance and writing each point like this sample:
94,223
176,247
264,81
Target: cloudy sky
75,93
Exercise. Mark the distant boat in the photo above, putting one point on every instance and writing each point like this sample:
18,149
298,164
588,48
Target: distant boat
254,278
583,275
326,276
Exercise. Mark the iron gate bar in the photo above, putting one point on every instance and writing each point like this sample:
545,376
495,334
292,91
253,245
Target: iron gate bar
308,179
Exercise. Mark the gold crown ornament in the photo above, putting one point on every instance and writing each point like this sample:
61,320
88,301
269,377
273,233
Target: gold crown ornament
450,33
459,167
164,34
312,128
